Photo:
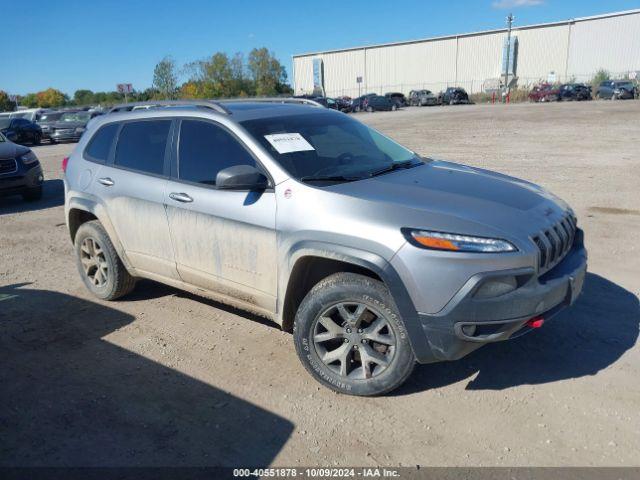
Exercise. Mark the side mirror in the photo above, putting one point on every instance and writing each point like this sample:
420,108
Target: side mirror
241,177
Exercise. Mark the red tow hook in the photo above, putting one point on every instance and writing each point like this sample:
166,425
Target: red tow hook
535,322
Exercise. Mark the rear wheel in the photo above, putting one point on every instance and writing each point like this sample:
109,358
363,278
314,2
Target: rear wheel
350,337
37,138
100,268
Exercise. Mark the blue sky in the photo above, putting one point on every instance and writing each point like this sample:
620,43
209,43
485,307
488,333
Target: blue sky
72,44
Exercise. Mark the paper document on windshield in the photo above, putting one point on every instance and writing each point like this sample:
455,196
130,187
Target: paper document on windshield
289,142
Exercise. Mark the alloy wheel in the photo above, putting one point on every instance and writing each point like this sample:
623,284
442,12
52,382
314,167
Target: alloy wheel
94,262
354,340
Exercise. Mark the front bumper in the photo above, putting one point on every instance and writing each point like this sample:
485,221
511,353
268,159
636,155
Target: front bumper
65,136
468,322
21,180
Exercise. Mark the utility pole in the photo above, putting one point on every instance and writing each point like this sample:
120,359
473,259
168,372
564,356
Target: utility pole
510,20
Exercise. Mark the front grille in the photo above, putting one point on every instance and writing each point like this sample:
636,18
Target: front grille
554,243
64,130
8,165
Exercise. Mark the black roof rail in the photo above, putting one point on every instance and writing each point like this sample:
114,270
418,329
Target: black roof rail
127,107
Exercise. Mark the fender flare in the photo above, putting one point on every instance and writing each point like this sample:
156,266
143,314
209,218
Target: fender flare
370,261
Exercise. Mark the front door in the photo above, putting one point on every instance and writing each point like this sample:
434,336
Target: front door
224,240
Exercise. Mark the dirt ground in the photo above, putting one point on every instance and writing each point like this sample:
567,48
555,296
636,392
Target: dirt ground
166,378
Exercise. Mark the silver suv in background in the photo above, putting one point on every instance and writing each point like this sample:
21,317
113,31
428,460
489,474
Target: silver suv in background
374,257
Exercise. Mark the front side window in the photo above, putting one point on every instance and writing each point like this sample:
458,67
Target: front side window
205,148
141,146
100,145
327,144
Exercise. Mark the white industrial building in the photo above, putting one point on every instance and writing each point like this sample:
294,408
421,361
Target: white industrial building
559,52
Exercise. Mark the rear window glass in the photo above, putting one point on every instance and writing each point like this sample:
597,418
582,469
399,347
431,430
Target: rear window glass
141,146
98,149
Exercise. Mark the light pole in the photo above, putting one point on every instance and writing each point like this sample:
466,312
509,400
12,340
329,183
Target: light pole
510,20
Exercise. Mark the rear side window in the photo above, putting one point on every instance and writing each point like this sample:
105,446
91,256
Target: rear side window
100,144
205,149
141,146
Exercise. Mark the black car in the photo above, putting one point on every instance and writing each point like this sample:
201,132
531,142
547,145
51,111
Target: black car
377,102
46,122
453,96
360,104
398,98
71,126
616,90
21,130
344,104
574,91
326,102
20,171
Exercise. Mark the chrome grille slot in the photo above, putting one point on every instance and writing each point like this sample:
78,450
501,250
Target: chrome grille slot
554,243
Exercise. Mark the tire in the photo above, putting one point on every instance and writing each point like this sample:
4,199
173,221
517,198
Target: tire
33,194
37,138
52,141
100,268
370,109
387,364
394,108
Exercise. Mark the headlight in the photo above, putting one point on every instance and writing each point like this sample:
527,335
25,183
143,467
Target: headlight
28,158
80,130
458,243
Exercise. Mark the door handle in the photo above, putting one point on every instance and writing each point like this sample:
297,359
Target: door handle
106,181
180,197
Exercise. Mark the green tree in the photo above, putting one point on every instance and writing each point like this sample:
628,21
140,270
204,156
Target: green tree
165,79
30,100
5,103
51,98
267,73
83,97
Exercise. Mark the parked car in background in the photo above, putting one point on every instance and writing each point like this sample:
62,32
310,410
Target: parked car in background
31,114
20,171
326,102
344,104
360,104
574,91
20,130
71,126
545,92
380,103
422,98
617,90
398,98
46,122
453,96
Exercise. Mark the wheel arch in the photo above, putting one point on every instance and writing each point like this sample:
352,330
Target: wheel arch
308,256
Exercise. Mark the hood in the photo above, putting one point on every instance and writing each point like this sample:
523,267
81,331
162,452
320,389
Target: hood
452,197
11,150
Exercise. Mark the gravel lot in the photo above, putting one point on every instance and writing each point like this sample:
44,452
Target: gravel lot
167,378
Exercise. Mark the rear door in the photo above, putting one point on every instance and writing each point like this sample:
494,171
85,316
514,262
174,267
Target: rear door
132,186
224,240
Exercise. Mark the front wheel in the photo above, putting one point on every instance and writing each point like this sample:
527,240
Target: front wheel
349,336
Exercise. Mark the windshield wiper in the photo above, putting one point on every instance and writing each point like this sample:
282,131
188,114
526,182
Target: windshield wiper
396,166
329,178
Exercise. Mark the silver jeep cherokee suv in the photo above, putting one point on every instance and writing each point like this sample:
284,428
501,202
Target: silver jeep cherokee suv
373,257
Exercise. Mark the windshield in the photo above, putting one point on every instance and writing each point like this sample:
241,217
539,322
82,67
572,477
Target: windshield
327,145
50,117
75,117
5,122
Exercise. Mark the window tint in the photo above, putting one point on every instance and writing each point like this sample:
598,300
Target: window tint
205,149
100,144
141,145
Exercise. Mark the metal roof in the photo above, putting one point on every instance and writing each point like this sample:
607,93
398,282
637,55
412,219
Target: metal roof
482,32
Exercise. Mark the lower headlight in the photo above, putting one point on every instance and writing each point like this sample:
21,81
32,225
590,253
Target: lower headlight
458,243
28,158
80,130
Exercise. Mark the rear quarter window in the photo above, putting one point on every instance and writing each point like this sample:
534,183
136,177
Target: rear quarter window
100,145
